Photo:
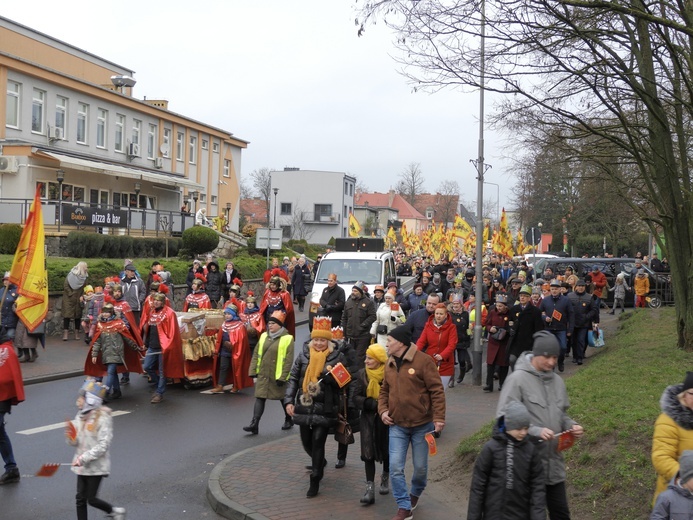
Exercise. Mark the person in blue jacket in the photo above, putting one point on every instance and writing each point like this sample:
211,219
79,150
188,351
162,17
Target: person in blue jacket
558,315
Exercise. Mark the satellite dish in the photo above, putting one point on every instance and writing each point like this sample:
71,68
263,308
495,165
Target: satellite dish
165,148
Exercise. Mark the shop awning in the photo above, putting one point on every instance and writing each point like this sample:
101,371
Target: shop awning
88,165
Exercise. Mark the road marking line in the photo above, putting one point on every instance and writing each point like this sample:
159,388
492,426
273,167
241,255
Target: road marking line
59,425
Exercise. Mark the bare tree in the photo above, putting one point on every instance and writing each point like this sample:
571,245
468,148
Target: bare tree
300,230
262,182
616,76
411,182
246,189
448,196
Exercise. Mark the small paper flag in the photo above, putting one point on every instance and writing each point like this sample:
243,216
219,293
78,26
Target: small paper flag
340,374
565,440
556,315
48,470
431,440
70,430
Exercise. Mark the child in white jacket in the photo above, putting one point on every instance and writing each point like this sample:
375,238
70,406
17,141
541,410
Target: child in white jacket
91,433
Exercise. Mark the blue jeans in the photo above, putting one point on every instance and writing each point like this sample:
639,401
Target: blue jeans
400,438
112,377
6,446
154,366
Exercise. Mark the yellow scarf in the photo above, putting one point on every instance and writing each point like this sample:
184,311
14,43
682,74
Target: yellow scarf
375,378
315,366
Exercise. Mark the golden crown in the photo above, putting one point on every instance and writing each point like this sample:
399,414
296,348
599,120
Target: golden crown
337,333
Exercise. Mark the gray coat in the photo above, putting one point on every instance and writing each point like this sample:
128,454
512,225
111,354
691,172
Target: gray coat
675,502
546,399
134,292
72,307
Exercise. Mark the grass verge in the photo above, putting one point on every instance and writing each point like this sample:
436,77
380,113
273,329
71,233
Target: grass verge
616,398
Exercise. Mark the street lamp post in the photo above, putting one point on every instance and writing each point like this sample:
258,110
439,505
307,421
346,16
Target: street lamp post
276,190
60,175
138,188
195,196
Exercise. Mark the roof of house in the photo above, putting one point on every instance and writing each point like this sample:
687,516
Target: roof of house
389,200
434,200
255,210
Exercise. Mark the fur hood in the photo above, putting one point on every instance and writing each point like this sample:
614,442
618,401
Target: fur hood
672,407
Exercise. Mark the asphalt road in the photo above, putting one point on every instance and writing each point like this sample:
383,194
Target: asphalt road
161,454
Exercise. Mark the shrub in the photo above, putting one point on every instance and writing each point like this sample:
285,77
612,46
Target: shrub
198,240
9,238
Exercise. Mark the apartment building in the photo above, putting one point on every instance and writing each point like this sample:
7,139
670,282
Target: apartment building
310,204
74,128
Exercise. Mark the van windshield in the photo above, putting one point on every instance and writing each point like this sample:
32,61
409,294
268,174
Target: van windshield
350,271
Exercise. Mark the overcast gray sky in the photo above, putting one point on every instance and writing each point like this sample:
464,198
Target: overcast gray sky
291,77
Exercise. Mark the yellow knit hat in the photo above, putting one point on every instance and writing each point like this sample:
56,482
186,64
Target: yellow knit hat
378,352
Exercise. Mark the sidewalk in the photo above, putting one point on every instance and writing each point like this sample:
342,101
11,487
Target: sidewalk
269,481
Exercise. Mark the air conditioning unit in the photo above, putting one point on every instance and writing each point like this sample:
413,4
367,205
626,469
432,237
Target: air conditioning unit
8,164
159,162
55,134
134,150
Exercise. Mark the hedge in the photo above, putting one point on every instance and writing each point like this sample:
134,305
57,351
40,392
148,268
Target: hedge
95,245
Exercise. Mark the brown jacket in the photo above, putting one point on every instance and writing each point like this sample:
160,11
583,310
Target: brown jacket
414,394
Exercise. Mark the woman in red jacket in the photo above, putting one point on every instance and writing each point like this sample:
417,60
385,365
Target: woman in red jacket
498,328
438,340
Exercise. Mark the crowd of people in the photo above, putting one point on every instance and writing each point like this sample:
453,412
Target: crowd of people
401,355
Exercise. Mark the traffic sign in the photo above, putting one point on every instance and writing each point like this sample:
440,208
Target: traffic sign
533,236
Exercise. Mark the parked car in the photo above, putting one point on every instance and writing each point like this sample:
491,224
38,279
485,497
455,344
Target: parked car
660,283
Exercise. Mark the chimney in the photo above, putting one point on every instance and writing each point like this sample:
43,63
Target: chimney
391,198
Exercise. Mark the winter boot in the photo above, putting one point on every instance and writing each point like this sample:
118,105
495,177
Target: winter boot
23,354
253,428
369,496
384,484
288,423
10,476
32,356
314,487
117,513
76,333
65,333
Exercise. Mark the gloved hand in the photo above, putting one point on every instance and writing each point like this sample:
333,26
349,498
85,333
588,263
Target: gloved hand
253,376
370,405
280,383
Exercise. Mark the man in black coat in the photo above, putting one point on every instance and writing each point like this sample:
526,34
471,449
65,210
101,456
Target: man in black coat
332,300
357,318
524,320
586,311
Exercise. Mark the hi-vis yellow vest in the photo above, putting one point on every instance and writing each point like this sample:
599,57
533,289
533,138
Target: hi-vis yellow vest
284,342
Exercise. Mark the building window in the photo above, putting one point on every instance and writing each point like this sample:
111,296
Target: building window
214,199
429,214
179,146
205,144
82,122
285,208
323,210
151,141
136,130
38,112
167,142
119,133
203,198
192,156
351,189
346,188
227,168
61,114
101,128
12,113
215,147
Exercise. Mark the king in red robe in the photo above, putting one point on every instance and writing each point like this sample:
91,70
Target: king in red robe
197,299
277,298
232,341
166,324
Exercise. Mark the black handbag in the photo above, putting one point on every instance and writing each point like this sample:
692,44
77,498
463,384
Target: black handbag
500,334
343,432
382,329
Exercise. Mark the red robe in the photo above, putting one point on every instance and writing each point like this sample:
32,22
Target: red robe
11,383
133,359
240,354
147,309
123,308
169,338
254,320
201,298
272,299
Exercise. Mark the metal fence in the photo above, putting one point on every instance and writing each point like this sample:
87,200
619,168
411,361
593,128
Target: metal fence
138,221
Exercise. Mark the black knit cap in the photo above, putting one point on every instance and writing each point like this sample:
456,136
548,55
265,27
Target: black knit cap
402,334
545,344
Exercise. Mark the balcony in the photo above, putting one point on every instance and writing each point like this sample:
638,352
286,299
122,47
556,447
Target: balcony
317,218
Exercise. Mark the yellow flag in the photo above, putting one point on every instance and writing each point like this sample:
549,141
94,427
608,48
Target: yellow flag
461,228
28,270
487,233
354,226
391,237
403,233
